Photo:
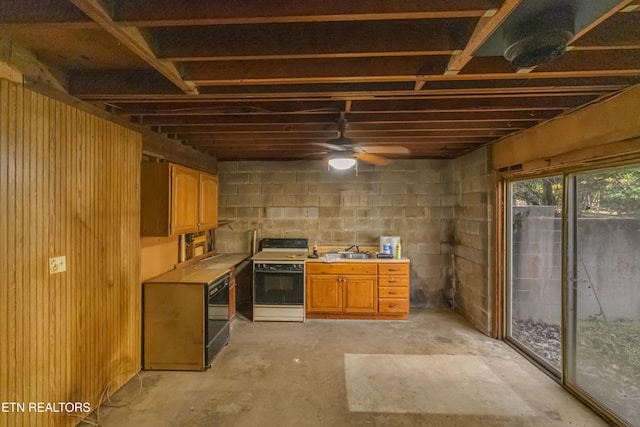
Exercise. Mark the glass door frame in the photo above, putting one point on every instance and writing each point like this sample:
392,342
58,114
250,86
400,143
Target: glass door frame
570,294
569,193
507,226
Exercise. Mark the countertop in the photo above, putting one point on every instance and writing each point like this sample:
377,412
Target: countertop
370,260
322,250
205,271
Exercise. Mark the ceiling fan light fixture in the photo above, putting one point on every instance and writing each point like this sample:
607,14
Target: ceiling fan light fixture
342,163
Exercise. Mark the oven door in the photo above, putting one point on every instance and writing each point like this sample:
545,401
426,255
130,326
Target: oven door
217,327
278,287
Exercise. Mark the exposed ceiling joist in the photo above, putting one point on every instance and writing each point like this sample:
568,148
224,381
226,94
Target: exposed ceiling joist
399,119
615,9
317,40
486,26
133,40
206,12
274,77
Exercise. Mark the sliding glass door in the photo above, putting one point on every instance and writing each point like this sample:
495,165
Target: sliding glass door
535,269
603,282
573,282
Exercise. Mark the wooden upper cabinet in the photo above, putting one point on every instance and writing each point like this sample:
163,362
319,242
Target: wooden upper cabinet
176,200
184,200
208,201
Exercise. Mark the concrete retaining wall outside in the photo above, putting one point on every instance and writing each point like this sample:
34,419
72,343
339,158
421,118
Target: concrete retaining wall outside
608,266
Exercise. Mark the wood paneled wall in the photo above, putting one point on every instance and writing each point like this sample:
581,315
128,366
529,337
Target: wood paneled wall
69,185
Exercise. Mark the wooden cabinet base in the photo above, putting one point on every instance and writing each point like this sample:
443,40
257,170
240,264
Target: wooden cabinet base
355,316
364,291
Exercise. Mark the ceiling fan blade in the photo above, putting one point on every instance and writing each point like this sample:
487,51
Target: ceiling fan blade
384,149
373,159
332,147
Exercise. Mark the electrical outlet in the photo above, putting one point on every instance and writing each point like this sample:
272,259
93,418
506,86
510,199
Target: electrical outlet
57,264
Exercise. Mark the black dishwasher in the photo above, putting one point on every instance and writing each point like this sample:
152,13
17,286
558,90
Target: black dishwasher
217,315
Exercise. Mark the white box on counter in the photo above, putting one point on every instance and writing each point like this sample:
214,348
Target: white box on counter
390,240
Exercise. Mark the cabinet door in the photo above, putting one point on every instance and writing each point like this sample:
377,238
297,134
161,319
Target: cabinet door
360,294
324,294
208,201
184,200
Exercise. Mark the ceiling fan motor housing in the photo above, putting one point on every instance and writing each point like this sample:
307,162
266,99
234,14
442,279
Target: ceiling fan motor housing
541,38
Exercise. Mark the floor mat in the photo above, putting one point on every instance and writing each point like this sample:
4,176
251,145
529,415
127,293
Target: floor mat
436,384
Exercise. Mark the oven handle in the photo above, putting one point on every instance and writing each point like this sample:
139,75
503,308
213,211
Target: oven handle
217,287
278,272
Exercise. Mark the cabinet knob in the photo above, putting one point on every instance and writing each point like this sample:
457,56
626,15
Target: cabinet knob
393,305
392,293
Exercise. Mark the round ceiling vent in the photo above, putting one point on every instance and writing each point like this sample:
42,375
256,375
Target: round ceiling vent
540,39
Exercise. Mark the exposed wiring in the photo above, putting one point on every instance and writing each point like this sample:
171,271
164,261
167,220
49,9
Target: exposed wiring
105,399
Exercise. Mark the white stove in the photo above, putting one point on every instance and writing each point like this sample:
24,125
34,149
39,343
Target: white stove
278,280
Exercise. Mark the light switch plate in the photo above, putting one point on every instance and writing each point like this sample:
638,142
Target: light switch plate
57,264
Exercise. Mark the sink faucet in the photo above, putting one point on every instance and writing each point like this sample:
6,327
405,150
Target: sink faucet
355,245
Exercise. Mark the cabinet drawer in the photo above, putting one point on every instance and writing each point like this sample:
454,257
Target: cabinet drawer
387,305
384,292
393,268
340,268
402,281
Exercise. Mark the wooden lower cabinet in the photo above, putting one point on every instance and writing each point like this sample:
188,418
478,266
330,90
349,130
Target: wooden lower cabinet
342,294
360,294
393,290
174,330
324,294
357,291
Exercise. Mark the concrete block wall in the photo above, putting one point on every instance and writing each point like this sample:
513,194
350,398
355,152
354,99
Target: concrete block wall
412,199
473,189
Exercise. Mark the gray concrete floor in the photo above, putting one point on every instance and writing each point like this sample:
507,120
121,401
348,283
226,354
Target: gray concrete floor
354,373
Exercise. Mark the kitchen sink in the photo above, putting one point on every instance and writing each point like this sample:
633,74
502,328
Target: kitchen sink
356,255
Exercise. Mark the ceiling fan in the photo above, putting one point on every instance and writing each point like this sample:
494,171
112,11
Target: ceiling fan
346,148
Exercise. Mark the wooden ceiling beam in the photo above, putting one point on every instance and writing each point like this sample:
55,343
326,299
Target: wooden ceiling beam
186,118
393,69
615,9
602,60
34,12
309,147
470,103
351,127
139,85
210,142
350,96
485,27
364,135
133,39
441,153
312,40
313,70
618,32
206,12
448,103
240,119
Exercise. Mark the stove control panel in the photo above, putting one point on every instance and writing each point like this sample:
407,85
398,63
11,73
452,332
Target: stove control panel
277,267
